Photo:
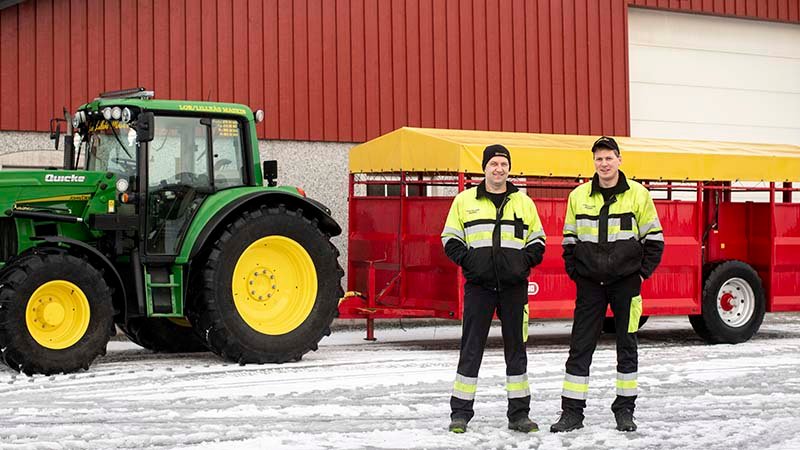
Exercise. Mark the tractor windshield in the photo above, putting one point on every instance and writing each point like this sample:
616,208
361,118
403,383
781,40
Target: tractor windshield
111,147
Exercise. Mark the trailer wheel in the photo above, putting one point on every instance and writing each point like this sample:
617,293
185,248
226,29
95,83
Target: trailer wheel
55,314
733,304
164,335
270,288
610,325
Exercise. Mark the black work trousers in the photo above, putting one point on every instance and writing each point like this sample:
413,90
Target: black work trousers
590,308
480,305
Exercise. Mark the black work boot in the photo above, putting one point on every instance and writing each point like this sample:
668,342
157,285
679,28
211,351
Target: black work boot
625,420
569,420
458,425
524,425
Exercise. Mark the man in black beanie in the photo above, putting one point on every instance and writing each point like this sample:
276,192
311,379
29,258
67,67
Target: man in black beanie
494,234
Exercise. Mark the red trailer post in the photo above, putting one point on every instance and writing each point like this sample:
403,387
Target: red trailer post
732,243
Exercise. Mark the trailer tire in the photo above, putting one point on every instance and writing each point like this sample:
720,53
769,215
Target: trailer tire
56,313
163,335
610,325
733,304
270,287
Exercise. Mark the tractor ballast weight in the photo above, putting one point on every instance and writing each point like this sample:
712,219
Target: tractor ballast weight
160,223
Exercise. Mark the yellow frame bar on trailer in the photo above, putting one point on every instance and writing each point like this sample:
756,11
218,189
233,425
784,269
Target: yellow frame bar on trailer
460,151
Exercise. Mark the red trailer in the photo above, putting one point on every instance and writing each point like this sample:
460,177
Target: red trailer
731,224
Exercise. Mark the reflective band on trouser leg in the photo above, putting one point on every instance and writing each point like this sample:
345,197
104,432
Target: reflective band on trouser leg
517,386
465,387
575,387
627,386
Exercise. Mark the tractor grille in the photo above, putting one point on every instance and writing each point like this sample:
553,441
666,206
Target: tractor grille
8,239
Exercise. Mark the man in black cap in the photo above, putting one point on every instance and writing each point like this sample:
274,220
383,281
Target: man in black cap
613,241
494,234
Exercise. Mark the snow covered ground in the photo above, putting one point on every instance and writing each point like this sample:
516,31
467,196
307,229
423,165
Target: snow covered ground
393,394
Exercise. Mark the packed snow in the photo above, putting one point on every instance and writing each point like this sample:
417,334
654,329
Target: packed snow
393,394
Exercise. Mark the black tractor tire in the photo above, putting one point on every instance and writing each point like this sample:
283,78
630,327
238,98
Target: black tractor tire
609,324
163,335
215,315
20,280
738,317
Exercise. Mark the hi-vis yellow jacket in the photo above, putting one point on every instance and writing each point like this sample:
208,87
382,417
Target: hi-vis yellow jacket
608,240
495,247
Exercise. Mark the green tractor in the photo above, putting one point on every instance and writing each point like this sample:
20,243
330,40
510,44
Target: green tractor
160,224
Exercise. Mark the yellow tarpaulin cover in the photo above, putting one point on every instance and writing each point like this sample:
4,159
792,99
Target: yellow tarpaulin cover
435,150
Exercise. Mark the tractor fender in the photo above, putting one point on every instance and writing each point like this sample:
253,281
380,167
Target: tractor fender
96,257
311,209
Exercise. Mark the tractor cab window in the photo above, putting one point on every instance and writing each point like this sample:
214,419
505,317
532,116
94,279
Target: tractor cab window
229,168
112,148
177,179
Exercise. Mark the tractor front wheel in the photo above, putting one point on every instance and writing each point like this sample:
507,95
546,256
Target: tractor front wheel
55,314
270,288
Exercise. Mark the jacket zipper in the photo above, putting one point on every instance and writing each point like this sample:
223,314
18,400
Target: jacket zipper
496,243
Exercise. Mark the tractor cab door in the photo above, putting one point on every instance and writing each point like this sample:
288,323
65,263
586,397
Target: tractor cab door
188,159
178,180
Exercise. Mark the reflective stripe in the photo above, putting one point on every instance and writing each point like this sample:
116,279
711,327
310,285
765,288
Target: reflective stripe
576,387
447,238
654,237
627,392
570,227
587,223
621,236
455,232
517,245
588,238
481,243
576,379
517,386
539,241
465,387
569,240
627,385
482,227
649,226
536,235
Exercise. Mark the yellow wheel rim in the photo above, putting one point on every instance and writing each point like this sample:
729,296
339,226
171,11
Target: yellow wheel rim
57,314
274,285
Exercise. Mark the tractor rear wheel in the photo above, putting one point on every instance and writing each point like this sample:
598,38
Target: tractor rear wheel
165,335
55,314
270,288
733,304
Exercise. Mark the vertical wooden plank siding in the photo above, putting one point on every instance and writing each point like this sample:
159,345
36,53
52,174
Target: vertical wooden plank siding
342,70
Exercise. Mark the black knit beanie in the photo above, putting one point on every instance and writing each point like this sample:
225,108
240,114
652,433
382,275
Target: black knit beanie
495,150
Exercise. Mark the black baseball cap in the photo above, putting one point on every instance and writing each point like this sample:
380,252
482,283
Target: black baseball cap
605,142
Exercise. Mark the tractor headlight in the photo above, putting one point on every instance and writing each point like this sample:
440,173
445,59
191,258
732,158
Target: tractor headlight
259,116
116,113
126,115
107,113
122,185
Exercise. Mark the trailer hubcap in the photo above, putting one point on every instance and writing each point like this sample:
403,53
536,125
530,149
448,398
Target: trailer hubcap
274,285
736,302
57,314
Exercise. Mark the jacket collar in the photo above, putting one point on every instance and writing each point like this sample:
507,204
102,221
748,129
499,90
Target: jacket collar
510,189
622,184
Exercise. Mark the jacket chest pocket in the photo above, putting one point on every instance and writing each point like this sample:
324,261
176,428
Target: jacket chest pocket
519,228
626,223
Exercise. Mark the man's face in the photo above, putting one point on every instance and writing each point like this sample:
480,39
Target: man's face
497,170
606,164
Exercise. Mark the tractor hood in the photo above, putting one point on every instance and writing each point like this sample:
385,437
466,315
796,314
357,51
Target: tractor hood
49,188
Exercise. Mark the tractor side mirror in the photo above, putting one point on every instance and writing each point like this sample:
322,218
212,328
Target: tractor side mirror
55,131
271,172
145,127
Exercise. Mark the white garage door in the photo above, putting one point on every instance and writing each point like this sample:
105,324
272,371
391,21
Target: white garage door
713,78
